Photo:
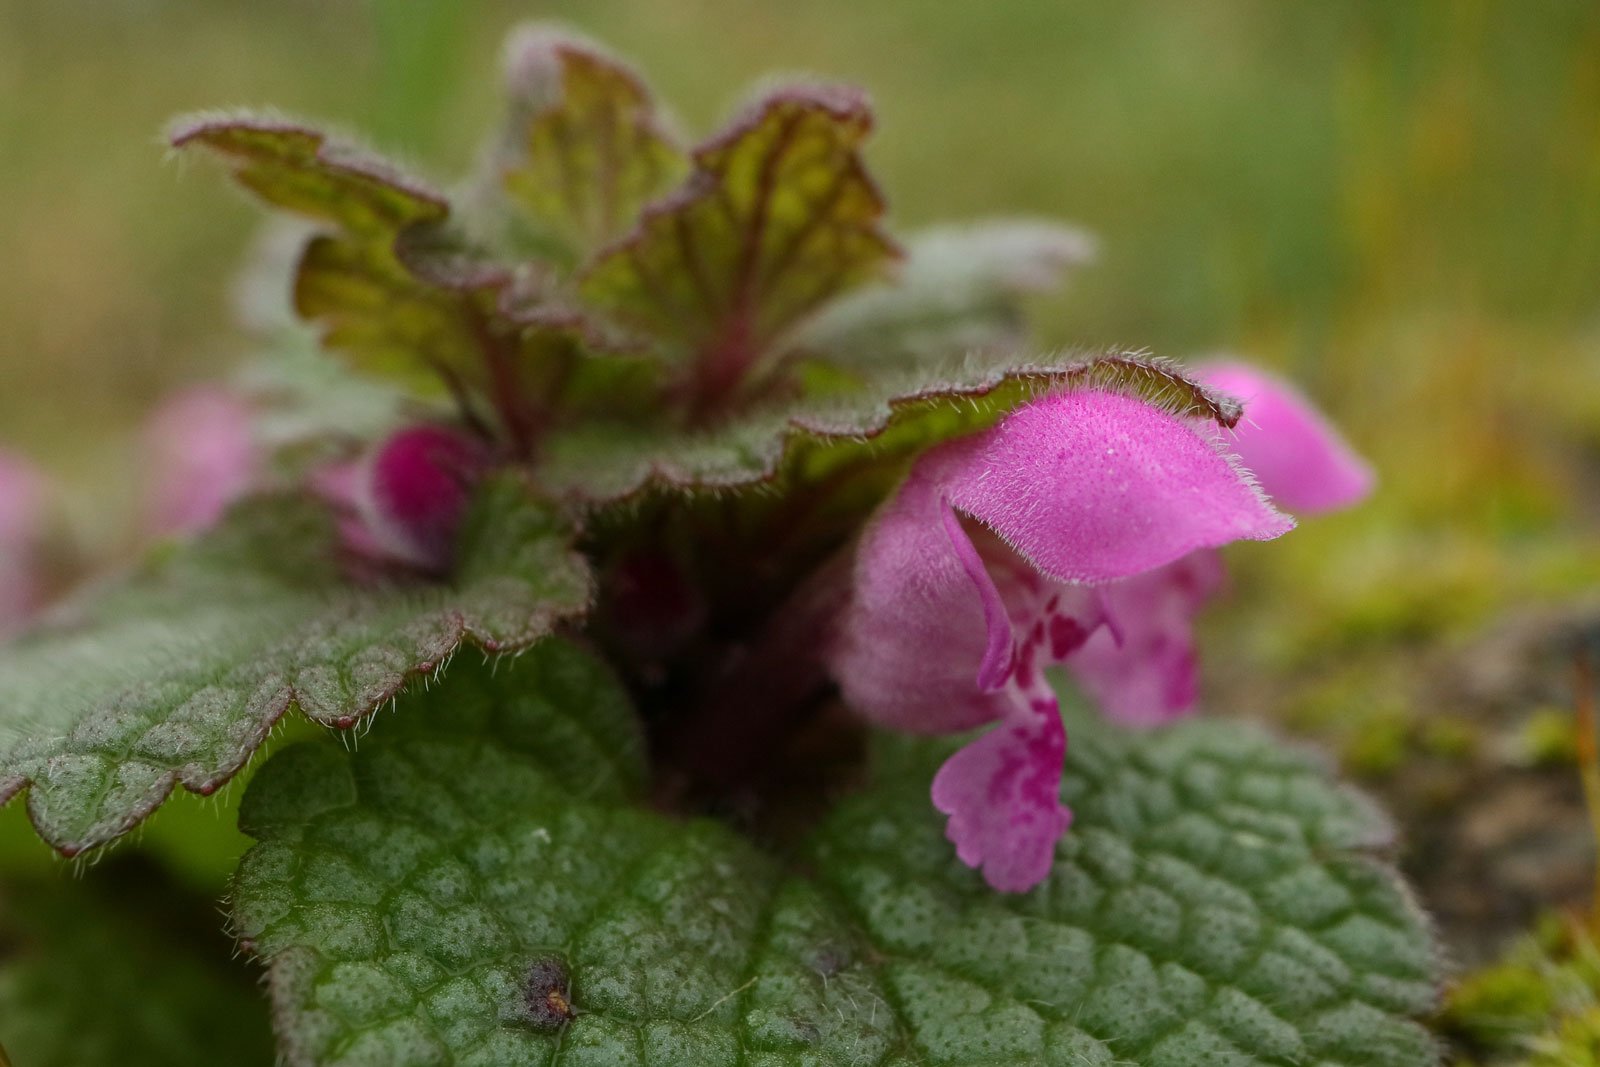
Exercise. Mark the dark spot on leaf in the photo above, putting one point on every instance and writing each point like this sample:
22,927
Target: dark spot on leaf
805,1030
549,994
830,960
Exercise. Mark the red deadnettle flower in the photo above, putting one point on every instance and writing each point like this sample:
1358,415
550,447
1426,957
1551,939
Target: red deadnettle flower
405,500
203,456
22,523
999,556
1144,672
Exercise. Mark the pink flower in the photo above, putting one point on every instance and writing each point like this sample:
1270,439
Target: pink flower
22,531
405,501
1145,673
994,560
1295,453
202,455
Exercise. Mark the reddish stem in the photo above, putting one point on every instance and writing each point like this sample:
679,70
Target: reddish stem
762,691
505,386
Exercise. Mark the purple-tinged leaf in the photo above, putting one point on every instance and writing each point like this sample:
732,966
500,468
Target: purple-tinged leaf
401,294
779,217
382,319
300,169
587,147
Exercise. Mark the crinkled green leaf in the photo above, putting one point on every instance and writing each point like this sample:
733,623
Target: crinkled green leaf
586,148
474,886
351,281
372,310
295,167
778,217
847,420
118,973
960,290
177,674
399,292
426,314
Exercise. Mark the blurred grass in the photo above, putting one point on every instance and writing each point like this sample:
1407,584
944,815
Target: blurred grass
1371,194
1396,203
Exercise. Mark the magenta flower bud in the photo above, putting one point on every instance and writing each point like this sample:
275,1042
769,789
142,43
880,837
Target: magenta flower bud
412,492
202,455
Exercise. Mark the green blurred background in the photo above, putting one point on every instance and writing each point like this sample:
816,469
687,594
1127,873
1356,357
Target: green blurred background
1398,203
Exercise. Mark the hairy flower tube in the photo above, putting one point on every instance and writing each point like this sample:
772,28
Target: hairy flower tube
1145,672
999,556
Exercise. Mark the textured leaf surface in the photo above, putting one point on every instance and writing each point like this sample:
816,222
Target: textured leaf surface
371,307
586,148
960,290
297,168
778,217
473,887
393,287
178,674
873,420
1217,901
386,322
132,977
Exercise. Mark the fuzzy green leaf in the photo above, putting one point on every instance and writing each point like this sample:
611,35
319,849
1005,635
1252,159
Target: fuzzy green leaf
299,169
779,217
959,291
177,674
397,290
372,307
130,973
586,148
374,312
473,886
871,421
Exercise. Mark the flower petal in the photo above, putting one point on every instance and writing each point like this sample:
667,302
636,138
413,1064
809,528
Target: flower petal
923,620
1295,453
1003,795
1142,670
1094,486
203,456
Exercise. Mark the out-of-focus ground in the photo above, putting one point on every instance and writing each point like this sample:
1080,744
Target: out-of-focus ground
1397,204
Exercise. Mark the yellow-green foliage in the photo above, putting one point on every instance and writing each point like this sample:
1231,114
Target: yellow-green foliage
1537,1007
